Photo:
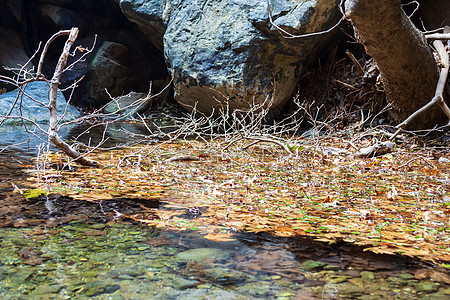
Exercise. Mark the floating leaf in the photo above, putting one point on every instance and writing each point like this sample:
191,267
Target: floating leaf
35,193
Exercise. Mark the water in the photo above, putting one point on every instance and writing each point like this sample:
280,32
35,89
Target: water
85,250
86,260
54,247
18,136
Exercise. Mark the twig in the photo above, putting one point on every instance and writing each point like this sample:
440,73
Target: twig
359,69
411,160
438,36
267,140
349,86
415,9
292,36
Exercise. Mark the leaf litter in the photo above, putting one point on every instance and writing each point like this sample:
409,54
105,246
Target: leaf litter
398,203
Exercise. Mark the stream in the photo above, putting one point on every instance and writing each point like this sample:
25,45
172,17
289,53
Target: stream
54,247
85,259
83,250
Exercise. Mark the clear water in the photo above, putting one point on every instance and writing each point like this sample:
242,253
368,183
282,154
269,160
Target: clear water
84,260
59,248
85,250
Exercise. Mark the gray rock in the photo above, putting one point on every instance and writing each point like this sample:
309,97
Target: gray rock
47,289
182,283
149,16
310,265
133,103
103,70
12,53
367,276
427,286
108,72
99,287
128,105
225,276
226,54
21,276
33,110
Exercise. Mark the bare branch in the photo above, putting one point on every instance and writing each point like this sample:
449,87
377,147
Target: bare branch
438,36
47,45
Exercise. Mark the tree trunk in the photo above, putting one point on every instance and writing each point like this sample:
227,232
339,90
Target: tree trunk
406,63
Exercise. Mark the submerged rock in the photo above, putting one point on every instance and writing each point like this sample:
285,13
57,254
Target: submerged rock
99,287
47,289
367,276
182,283
200,254
427,286
224,276
310,265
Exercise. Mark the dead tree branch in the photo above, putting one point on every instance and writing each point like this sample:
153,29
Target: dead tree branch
438,36
53,128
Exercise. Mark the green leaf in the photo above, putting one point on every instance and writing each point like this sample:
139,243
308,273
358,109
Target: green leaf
35,193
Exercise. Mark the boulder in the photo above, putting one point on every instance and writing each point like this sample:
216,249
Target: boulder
12,54
104,72
128,105
63,18
30,109
227,55
150,16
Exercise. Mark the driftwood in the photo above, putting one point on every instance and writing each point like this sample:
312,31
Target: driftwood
438,36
